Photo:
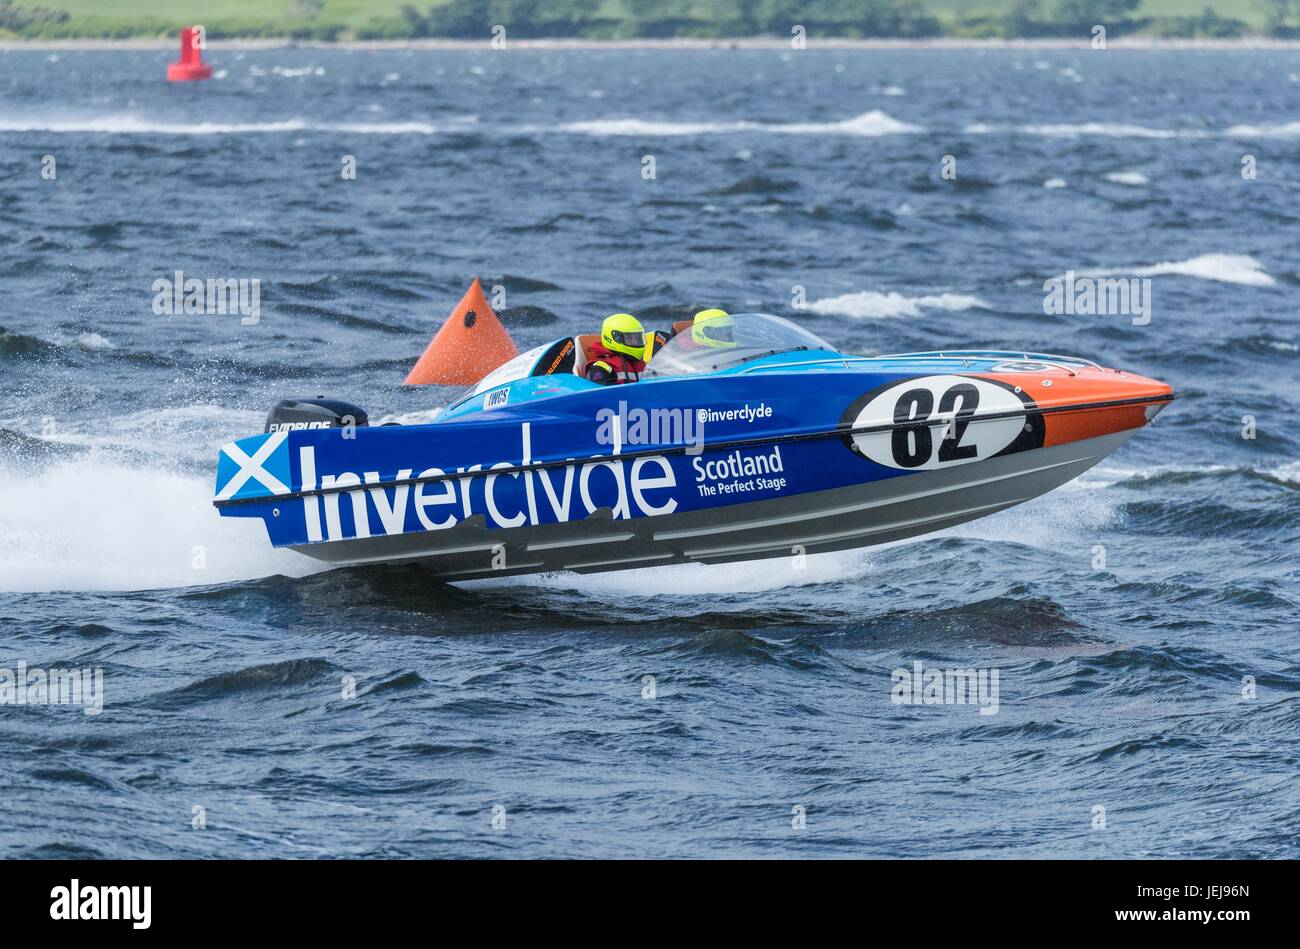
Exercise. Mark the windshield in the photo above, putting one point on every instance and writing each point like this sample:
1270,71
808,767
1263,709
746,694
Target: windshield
728,341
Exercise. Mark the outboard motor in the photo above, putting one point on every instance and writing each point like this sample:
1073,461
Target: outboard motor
292,415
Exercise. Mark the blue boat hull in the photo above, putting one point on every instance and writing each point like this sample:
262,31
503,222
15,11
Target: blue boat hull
712,467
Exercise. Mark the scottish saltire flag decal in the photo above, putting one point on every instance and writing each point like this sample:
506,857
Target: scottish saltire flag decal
254,467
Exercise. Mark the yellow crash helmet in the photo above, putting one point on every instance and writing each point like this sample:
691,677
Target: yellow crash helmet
623,333
713,328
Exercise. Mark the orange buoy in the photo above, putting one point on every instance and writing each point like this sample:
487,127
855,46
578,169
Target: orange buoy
191,65
470,345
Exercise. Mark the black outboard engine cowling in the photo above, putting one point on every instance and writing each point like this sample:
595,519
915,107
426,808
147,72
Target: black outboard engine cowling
292,415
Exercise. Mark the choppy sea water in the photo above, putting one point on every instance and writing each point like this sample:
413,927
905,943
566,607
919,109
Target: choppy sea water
1124,612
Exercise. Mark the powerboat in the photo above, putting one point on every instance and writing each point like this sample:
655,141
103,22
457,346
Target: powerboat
768,443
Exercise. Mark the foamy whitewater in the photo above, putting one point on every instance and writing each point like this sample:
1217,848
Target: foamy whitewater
1225,268
681,711
872,303
56,533
870,123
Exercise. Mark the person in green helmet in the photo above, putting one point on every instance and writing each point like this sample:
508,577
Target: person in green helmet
620,356
713,329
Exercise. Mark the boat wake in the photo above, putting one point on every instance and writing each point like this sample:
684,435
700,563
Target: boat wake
158,530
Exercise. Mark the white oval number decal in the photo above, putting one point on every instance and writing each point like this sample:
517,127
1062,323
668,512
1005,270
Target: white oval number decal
935,422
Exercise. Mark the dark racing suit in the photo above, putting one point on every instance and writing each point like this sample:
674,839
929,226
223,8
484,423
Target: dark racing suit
611,368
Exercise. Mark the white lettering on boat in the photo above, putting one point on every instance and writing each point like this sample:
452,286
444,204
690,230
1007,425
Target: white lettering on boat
636,486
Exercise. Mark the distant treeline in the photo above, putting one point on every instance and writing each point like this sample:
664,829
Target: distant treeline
820,18
655,19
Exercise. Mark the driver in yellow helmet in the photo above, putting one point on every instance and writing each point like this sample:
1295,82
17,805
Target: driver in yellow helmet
620,355
713,329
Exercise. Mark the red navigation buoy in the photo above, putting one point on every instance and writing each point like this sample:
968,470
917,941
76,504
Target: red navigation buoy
470,345
191,65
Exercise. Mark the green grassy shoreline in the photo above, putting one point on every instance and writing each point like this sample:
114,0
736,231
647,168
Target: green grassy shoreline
647,20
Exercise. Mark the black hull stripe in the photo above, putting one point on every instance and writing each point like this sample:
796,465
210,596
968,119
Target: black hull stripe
837,432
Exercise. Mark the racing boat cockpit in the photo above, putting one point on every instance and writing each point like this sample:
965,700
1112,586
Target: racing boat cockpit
743,338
